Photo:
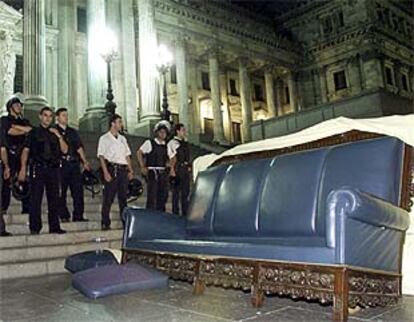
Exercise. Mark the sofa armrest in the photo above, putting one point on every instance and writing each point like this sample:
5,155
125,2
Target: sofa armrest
367,208
364,230
143,224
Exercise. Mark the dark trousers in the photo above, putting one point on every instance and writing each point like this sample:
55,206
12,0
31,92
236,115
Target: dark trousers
157,189
119,186
71,178
181,190
14,164
44,178
2,223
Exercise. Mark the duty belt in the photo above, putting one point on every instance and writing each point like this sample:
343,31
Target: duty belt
157,168
157,171
68,158
13,150
116,167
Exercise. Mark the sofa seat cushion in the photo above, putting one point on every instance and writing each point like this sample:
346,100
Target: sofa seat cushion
117,279
307,254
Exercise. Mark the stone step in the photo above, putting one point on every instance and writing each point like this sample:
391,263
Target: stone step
23,228
20,219
88,209
36,253
88,201
40,267
33,268
16,209
75,237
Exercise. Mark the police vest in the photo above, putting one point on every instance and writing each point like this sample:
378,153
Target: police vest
158,156
183,152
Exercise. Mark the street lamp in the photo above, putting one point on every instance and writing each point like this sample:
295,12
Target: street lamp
163,64
109,53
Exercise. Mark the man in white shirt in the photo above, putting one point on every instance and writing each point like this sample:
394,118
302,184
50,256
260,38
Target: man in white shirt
115,157
153,161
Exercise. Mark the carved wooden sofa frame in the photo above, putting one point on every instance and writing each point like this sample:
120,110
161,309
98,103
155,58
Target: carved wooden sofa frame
340,285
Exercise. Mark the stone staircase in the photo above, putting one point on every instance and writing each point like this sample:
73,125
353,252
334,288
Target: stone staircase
24,255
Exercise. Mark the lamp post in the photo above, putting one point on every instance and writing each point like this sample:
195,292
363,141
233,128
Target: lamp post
109,53
163,65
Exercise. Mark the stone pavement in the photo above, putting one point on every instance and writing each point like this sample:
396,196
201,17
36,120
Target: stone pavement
51,298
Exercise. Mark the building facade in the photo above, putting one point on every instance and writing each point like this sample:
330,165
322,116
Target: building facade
237,75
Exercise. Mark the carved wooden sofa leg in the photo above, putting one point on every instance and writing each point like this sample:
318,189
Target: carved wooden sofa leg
198,287
341,293
124,257
257,298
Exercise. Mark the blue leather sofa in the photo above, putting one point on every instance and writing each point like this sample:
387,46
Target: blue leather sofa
333,210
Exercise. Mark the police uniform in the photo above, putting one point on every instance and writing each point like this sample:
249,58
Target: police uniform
71,176
14,145
156,157
45,161
3,231
180,149
115,151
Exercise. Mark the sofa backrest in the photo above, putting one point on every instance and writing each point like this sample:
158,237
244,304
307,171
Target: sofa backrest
286,195
372,166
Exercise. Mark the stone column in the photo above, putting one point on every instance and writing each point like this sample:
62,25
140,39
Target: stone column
373,69
127,44
270,93
93,118
411,79
354,74
279,96
225,106
148,49
34,57
246,100
181,67
195,126
292,92
215,98
323,84
7,73
66,58
315,86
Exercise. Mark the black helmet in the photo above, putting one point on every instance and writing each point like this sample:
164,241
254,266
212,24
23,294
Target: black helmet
20,190
135,189
12,101
162,125
90,180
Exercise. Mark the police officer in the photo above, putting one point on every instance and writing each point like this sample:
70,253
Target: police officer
71,176
44,146
180,171
115,158
14,130
153,161
4,177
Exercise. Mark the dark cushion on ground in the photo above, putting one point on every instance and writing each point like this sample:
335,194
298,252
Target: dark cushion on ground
86,260
116,279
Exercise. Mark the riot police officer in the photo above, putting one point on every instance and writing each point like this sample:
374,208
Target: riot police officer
153,160
180,171
71,176
44,146
14,130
